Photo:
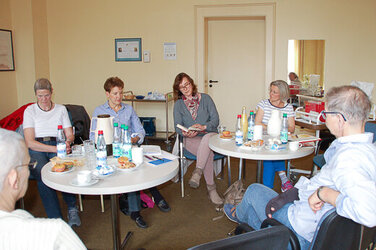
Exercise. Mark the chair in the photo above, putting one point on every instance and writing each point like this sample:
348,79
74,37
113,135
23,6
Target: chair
273,238
319,160
186,155
334,232
81,128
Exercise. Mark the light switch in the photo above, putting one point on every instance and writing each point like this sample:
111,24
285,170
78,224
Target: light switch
146,56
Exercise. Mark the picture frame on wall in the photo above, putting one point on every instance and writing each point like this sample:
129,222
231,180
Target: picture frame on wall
6,50
128,49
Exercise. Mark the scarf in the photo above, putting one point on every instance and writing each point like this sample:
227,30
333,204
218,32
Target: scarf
192,105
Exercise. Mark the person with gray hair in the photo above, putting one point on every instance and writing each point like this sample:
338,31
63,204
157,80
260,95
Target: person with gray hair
279,93
18,228
40,123
347,182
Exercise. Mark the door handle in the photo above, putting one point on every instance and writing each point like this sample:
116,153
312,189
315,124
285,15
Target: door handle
212,81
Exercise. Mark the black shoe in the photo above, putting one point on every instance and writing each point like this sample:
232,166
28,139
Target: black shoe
123,204
140,222
163,206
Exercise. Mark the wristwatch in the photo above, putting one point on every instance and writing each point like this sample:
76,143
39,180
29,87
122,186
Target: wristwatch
318,193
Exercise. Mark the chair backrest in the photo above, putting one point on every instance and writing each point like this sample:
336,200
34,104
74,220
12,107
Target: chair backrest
371,127
336,232
80,121
273,238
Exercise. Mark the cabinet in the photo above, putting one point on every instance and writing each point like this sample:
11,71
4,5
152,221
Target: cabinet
159,135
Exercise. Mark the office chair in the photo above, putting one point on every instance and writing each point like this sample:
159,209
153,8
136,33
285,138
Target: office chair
273,238
334,232
186,155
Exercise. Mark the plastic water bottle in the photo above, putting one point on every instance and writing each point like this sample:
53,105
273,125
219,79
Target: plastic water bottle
60,143
251,126
238,132
116,144
101,150
285,129
127,144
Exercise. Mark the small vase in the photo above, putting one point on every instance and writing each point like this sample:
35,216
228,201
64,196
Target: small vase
274,124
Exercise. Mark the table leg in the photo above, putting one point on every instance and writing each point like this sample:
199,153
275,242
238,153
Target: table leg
240,168
115,222
288,169
259,167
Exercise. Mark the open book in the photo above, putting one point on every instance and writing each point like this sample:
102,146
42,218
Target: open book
187,129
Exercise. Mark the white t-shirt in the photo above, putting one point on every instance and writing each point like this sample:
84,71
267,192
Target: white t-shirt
45,123
20,230
267,107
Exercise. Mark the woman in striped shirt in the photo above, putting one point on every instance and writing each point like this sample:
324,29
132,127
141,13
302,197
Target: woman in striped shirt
278,96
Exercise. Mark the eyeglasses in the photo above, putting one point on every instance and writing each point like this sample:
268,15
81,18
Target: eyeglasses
324,113
185,86
32,164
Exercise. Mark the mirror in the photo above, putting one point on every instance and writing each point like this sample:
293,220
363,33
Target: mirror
305,58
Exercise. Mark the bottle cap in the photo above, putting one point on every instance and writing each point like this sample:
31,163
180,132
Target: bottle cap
284,115
115,124
122,126
100,132
251,113
126,127
59,126
239,116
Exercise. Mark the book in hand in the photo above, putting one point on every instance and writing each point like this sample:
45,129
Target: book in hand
188,129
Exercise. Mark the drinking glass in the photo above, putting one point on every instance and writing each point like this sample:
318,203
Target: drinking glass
90,153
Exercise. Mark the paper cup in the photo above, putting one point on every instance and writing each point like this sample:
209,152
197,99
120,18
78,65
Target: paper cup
257,133
137,155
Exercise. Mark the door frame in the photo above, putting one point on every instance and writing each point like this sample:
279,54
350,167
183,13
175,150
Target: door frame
203,13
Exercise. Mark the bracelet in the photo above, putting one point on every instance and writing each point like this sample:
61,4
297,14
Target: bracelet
318,193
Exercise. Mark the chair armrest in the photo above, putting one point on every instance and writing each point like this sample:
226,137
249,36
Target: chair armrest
243,228
294,242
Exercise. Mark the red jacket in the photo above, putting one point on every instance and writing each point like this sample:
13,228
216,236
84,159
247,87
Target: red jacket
14,120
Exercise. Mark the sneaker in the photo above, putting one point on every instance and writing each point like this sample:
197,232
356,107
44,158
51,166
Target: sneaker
73,217
163,206
230,212
140,222
286,186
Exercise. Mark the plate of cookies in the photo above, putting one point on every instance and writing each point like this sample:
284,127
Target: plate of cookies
123,164
226,135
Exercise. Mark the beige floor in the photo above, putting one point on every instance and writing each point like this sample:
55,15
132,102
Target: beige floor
189,223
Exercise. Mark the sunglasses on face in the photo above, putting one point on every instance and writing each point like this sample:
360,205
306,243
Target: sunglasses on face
325,113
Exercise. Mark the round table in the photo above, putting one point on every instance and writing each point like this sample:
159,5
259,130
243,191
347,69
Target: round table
228,147
144,177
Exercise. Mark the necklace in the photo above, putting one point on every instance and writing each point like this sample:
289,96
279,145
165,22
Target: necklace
51,104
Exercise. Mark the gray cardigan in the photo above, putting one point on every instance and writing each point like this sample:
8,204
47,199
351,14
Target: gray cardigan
206,115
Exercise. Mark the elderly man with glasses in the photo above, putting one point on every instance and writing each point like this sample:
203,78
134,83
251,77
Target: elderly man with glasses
18,228
347,181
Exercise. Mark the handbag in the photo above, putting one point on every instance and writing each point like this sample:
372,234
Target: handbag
234,193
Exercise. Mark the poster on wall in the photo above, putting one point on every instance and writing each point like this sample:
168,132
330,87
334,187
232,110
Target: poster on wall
169,51
6,51
128,49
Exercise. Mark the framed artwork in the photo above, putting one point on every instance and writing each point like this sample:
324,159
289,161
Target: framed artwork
128,49
6,51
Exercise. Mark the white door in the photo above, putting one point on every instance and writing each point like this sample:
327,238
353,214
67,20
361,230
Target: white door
236,59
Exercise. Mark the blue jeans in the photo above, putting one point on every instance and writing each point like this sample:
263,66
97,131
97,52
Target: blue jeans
48,195
251,209
270,167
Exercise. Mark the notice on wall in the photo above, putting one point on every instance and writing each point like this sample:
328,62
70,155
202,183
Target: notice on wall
169,51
